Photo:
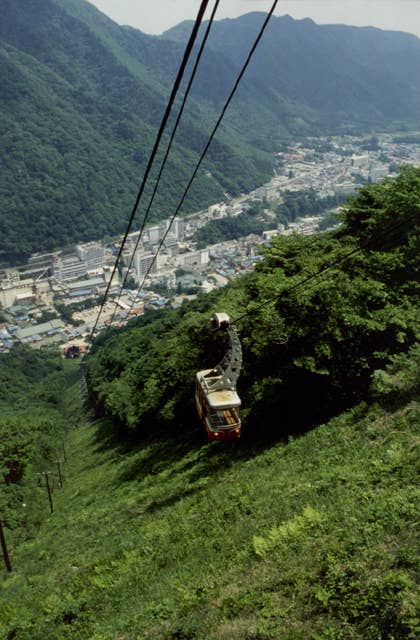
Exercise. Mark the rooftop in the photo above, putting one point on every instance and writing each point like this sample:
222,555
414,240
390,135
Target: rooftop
37,329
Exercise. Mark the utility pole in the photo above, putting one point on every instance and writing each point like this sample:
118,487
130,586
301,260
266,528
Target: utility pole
47,484
64,452
4,549
60,477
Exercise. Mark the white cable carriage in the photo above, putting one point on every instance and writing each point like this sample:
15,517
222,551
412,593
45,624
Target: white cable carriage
216,398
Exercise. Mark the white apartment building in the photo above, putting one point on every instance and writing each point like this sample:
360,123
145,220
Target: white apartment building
143,263
193,259
68,268
93,254
176,230
153,235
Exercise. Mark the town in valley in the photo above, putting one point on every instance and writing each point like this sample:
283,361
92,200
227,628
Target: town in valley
56,297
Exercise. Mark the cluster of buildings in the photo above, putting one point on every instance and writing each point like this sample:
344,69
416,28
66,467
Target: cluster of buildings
57,275
338,166
141,258
164,265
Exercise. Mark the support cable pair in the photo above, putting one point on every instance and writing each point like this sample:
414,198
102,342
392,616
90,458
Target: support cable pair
164,121
165,118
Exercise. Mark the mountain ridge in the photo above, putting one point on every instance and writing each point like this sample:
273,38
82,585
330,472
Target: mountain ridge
323,44
77,143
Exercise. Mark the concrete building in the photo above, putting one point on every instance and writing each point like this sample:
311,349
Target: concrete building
175,232
269,234
92,286
68,268
165,279
378,173
153,235
217,211
16,291
193,259
346,188
144,263
360,162
92,254
46,328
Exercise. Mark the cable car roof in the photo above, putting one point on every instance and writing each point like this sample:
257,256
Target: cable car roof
223,399
220,398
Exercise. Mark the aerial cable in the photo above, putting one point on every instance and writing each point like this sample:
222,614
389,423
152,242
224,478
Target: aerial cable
174,92
215,128
163,164
321,272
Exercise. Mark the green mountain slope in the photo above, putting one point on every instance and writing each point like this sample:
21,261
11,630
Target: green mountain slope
306,528
311,538
81,99
80,108
321,341
349,74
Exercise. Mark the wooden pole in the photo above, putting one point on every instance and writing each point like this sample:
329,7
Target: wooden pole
4,550
47,484
60,477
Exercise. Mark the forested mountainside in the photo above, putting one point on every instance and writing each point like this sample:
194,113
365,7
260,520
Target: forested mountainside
81,99
309,353
345,75
158,534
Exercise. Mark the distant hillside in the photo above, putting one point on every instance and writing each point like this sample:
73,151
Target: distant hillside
81,99
351,75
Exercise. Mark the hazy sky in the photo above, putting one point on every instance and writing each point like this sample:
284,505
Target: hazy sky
154,16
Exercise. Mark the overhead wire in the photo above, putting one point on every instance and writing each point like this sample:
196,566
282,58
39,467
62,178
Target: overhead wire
163,164
175,88
213,133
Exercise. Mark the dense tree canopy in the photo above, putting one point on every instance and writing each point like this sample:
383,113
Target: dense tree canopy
308,352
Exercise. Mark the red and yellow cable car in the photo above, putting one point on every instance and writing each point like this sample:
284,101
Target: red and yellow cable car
216,399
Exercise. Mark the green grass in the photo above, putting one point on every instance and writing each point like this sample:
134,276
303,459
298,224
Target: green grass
176,538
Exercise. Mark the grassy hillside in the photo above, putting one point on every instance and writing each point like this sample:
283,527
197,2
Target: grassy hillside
34,421
306,528
173,538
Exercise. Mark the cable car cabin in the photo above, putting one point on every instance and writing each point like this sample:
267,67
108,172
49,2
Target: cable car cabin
218,409
215,391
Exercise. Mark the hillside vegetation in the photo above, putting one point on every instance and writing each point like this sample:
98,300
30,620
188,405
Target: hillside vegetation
34,421
300,530
81,99
314,538
333,71
309,353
